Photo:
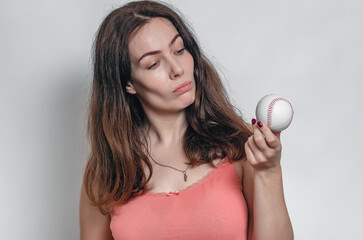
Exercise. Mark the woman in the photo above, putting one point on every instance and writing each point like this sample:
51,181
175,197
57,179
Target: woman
170,158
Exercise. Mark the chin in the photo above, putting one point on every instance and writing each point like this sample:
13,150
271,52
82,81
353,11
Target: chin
188,99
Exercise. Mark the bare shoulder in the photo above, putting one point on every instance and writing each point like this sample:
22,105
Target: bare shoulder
93,224
239,164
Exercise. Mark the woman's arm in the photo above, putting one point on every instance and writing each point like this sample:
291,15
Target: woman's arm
93,224
263,189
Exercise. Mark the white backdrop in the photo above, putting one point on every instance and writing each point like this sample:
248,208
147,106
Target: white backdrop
307,51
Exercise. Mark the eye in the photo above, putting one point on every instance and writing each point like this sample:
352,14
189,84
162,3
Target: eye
152,66
180,51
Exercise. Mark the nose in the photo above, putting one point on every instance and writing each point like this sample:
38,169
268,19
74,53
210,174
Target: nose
176,69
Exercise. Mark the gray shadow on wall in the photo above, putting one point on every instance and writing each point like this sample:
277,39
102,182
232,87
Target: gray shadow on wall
66,150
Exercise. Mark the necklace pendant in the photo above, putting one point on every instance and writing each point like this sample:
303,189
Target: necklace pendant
185,177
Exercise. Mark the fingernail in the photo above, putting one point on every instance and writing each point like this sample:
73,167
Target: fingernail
260,124
253,121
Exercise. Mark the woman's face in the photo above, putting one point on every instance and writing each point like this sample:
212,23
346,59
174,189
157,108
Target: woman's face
161,68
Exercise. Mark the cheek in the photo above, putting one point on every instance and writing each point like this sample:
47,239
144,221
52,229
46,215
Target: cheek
152,90
191,63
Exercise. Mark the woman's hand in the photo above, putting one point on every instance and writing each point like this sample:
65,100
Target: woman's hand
263,148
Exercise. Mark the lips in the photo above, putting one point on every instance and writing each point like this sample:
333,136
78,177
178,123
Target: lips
183,87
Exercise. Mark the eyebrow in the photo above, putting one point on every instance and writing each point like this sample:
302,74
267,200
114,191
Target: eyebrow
158,51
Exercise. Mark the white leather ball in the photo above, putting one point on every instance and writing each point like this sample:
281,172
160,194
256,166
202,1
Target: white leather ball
275,111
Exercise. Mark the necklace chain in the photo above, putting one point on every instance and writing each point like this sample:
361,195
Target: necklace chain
185,174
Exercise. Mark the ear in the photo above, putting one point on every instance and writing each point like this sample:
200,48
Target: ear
130,88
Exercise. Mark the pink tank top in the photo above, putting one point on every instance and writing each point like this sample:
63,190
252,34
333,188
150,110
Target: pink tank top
212,208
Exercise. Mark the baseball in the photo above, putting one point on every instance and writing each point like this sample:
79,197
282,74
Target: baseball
275,111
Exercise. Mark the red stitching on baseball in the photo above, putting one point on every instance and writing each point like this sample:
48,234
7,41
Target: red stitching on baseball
270,108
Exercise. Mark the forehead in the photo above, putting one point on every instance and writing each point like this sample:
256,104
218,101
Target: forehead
154,35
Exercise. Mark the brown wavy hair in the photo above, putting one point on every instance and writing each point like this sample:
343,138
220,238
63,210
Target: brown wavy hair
114,171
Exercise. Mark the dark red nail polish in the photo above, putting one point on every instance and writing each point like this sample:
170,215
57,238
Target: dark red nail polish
260,124
253,121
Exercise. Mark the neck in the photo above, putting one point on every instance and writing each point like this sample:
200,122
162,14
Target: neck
166,129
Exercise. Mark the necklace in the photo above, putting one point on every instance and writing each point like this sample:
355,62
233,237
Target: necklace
185,171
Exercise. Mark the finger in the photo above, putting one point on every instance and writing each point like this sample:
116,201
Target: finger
250,157
254,149
272,140
260,140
